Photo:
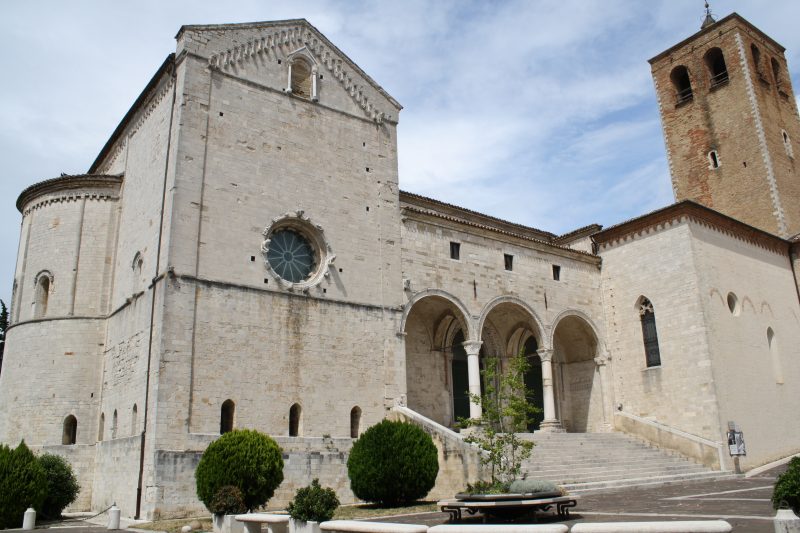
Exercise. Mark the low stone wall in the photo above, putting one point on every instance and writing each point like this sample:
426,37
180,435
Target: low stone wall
116,474
703,451
81,458
459,463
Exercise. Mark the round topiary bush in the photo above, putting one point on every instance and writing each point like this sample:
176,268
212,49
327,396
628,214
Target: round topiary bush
392,463
228,500
787,487
246,459
62,485
23,484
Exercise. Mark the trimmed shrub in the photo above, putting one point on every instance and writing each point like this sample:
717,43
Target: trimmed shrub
787,487
392,463
23,484
62,485
313,503
530,486
244,458
227,500
487,487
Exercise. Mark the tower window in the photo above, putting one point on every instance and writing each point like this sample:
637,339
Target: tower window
713,159
787,144
455,250
295,420
715,62
134,419
300,73
43,283
682,83
69,436
226,416
556,272
777,370
101,427
776,72
114,425
647,316
508,259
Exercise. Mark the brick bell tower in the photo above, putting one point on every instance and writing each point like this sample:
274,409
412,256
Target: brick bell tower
731,124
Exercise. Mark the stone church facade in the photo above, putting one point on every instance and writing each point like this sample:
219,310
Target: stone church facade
240,255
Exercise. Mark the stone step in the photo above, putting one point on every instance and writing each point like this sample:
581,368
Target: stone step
538,462
578,488
558,472
571,478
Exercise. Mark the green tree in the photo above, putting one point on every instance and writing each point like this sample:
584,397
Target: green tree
505,413
3,328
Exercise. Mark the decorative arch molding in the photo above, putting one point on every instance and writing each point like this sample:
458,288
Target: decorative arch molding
468,322
566,313
303,54
40,275
539,327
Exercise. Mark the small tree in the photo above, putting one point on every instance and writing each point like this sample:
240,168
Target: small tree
23,484
313,503
787,487
506,412
62,485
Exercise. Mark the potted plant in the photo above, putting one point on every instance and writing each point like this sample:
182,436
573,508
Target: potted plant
226,504
310,506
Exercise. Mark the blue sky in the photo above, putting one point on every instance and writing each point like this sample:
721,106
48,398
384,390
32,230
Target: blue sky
539,112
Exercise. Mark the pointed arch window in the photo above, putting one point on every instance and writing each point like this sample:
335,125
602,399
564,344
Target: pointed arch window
777,369
717,70
226,416
647,316
134,419
776,72
114,425
355,422
70,433
101,427
756,53
682,84
295,420
787,144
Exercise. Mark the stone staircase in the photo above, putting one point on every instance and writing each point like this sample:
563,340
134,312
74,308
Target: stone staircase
582,462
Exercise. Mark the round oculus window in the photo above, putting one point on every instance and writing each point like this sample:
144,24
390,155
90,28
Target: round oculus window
291,255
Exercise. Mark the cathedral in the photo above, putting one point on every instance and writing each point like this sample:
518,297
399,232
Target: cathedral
240,255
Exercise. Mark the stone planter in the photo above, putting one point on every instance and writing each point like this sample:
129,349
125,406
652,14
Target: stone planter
298,526
226,523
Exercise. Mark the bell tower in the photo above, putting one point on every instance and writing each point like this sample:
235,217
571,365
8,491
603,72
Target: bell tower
731,125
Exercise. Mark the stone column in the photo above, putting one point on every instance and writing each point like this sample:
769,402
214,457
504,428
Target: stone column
550,422
473,349
601,361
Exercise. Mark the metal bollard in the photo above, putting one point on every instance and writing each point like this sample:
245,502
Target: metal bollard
786,521
113,517
29,520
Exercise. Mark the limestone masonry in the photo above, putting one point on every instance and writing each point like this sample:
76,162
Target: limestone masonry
239,255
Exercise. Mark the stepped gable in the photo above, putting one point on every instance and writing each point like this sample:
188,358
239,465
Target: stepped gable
246,51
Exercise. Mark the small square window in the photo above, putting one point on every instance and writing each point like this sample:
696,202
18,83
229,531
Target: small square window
455,250
556,272
509,261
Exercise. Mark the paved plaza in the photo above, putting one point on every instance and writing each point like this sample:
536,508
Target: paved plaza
743,502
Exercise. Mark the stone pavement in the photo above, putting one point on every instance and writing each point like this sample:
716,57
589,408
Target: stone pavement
743,502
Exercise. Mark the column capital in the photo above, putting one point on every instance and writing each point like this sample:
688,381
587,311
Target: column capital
602,359
546,354
472,347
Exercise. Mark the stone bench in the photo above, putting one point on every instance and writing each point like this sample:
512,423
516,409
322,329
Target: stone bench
358,526
276,523
561,503
499,528
678,526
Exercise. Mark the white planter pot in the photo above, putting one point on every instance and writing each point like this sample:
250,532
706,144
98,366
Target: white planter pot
298,526
226,523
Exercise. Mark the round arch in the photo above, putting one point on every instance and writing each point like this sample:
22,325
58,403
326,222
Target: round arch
566,313
539,329
427,293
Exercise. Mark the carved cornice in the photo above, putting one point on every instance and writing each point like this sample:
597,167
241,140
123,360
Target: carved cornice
67,189
686,211
284,41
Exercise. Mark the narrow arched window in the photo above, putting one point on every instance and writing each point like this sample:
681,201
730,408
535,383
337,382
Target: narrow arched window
114,425
648,318
301,77
295,420
42,296
713,160
787,144
756,53
715,62
355,422
776,72
134,419
681,83
226,416
70,433
777,369
101,427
